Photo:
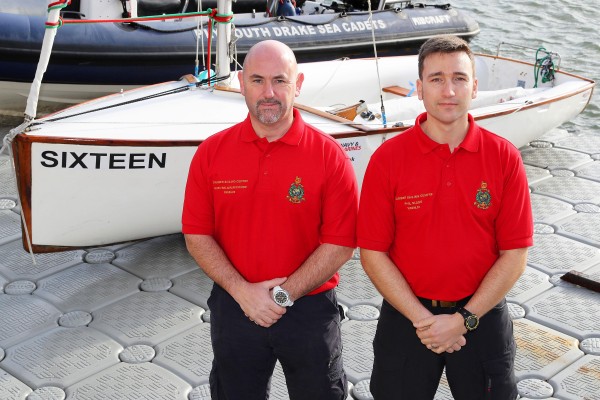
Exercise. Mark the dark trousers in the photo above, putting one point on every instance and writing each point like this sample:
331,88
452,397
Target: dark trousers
306,341
404,369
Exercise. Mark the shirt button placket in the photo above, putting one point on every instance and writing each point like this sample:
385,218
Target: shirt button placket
449,173
265,169
267,164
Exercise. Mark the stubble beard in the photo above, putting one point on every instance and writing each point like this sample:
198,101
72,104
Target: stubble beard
269,116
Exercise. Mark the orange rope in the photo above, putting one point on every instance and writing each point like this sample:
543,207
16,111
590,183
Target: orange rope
210,13
59,4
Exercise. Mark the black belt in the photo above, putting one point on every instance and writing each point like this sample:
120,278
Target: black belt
443,303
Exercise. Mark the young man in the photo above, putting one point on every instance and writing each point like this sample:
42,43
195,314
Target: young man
269,214
444,225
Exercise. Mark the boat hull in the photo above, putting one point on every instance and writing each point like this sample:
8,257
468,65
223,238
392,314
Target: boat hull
114,169
106,180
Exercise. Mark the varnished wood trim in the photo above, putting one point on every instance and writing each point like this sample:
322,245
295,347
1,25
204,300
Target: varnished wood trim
21,149
397,90
29,138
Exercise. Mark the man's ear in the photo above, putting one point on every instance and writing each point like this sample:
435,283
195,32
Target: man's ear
299,81
241,80
420,89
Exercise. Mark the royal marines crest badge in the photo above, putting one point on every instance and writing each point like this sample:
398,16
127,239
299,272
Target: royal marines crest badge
483,198
296,192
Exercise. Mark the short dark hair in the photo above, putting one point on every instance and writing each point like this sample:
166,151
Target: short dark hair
443,44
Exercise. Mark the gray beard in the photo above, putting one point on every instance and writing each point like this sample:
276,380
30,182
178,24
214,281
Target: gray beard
269,116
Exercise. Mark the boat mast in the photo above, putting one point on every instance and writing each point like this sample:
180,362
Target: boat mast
223,39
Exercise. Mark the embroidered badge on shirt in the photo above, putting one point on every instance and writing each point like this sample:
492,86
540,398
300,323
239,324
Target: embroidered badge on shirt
296,192
483,198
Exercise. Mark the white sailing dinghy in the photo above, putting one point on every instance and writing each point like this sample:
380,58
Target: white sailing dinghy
114,169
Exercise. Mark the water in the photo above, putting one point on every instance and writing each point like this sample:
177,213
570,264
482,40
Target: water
567,27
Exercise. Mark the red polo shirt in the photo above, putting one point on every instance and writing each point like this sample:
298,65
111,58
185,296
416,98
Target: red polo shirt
270,205
443,217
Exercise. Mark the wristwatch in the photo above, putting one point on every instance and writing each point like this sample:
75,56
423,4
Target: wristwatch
282,297
471,320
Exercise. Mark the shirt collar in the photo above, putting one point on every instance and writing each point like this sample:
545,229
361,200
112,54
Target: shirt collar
469,143
292,136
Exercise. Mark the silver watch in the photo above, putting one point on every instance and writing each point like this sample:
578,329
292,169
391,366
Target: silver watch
282,297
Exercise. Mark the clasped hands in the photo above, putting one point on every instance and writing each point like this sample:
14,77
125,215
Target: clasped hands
257,304
442,333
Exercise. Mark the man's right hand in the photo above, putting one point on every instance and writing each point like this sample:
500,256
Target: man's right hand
441,333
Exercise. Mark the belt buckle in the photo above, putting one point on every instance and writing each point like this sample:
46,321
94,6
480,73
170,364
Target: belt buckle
444,304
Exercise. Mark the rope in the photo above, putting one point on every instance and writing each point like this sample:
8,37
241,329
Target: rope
208,81
209,44
213,17
60,4
198,41
212,14
543,67
383,116
57,5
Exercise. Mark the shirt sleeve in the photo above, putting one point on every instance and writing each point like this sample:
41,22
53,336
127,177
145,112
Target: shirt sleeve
514,224
198,209
376,217
340,201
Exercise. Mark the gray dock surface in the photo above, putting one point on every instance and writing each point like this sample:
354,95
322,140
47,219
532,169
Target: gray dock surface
131,321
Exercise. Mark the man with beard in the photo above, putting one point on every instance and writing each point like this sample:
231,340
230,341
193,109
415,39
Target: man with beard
269,214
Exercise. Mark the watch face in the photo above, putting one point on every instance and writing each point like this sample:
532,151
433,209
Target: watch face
471,322
281,297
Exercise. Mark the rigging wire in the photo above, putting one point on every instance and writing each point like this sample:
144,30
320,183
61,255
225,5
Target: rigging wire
199,39
383,116
208,81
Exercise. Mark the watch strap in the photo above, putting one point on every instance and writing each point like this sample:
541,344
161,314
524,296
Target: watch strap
464,312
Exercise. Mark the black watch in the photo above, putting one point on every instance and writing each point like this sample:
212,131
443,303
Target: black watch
471,320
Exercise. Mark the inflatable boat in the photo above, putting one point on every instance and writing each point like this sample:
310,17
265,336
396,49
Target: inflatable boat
94,59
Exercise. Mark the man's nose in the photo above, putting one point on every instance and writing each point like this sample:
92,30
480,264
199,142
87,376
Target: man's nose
448,88
268,90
